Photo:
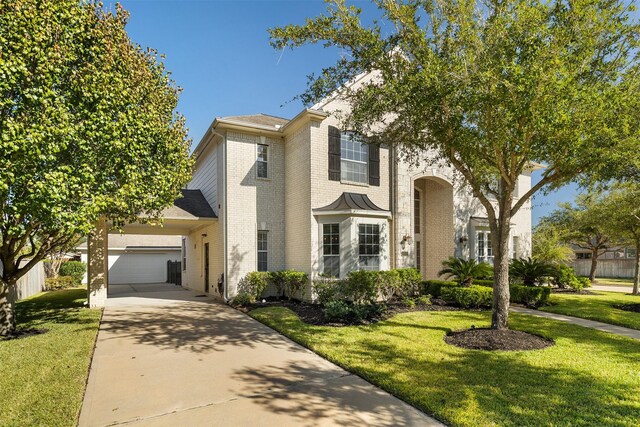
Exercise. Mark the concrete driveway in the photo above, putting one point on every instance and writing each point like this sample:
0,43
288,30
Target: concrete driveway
166,356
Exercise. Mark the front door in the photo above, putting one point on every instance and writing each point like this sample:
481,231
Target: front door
206,267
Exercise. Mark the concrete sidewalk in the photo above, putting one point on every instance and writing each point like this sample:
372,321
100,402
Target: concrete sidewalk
605,327
624,289
166,357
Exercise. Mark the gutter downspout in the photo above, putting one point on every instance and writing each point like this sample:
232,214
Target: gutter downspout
225,292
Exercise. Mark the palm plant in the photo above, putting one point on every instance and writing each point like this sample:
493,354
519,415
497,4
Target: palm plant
530,271
464,271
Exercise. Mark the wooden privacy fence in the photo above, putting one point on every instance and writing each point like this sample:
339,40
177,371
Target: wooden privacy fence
30,284
174,272
606,267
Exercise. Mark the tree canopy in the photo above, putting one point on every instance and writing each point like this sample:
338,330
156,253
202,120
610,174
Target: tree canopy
489,87
88,129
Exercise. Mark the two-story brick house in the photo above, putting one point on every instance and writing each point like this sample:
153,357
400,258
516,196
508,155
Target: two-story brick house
302,194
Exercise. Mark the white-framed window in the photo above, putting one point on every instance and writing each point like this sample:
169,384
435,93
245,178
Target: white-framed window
515,247
416,211
262,161
583,255
354,158
331,249
630,252
369,246
263,250
484,252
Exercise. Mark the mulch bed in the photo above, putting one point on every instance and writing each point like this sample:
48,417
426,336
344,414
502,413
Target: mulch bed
313,314
493,339
24,333
628,307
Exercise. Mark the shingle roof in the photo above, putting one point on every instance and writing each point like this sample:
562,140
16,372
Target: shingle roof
258,119
351,201
191,204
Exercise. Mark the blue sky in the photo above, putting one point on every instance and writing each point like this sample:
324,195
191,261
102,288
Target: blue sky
218,52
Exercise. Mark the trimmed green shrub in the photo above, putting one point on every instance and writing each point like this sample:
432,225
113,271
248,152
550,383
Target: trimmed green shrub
367,311
337,311
361,287
531,296
468,296
434,287
294,282
243,299
410,279
488,283
252,286
326,289
387,283
565,277
75,269
408,302
586,283
61,282
424,300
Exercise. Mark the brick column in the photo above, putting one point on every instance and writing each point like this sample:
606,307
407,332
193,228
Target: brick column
98,265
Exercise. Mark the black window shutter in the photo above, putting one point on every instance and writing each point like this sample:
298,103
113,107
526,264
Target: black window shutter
374,165
334,153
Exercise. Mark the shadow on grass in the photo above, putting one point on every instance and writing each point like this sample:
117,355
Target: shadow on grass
469,387
63,306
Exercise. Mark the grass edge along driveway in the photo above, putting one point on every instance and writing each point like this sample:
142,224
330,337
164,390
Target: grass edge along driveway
598,306
44,376
588,378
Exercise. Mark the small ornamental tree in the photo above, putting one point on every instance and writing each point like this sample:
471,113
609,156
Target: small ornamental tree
623,200
88,129
583,224
487,87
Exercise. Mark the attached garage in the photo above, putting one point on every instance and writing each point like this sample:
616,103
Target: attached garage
135,259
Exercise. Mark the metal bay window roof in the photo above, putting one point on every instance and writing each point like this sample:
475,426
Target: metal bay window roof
354,204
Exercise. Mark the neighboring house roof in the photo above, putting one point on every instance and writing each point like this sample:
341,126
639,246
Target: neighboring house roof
258,119
352,203
191,205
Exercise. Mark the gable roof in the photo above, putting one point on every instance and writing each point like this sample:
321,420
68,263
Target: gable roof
258,119
191,205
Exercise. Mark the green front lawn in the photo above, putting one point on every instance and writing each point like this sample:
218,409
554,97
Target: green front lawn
596,307
44,376
588,378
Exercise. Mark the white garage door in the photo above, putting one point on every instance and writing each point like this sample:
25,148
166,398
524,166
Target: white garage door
140,268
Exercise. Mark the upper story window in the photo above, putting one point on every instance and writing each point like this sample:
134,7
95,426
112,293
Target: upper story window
369,246
262,161
354,159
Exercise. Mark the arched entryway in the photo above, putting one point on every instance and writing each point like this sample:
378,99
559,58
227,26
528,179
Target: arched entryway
433,224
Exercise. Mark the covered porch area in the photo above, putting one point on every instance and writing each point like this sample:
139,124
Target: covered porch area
188,214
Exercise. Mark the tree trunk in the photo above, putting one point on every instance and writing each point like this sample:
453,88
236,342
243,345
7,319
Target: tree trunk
636,275
500,242
594,265
7,313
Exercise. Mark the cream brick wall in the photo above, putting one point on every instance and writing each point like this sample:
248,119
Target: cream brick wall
253,204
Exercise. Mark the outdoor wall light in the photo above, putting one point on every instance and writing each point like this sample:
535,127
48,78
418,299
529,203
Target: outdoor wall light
463,240
405,240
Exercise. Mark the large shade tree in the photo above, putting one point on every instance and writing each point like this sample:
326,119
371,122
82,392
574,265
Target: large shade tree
486,86
88,130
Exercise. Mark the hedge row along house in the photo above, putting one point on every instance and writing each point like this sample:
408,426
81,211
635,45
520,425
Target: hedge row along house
305,195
